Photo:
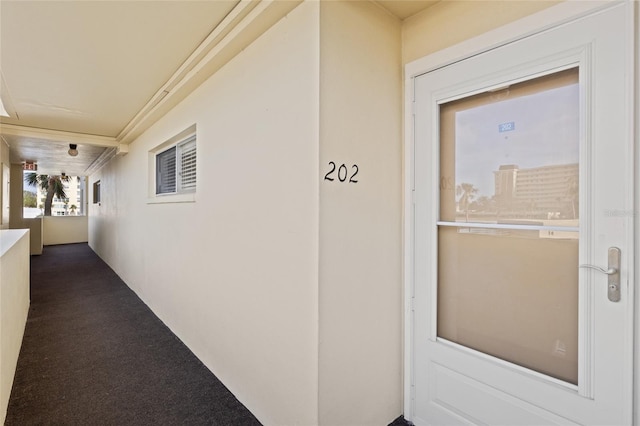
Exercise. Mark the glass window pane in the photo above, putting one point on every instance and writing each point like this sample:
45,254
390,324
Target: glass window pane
166,171
512,155
509,164
512,294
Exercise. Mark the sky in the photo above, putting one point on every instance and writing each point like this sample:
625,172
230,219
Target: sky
28,187
537,130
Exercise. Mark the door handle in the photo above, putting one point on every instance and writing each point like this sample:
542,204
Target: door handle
613,274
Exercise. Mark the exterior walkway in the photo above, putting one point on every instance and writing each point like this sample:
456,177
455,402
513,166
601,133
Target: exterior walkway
94,354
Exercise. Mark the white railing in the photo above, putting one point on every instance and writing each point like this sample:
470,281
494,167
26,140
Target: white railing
14,306
65,230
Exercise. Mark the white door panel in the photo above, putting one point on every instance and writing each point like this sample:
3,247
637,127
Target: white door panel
454,382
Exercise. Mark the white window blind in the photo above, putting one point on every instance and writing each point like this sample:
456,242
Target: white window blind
187,175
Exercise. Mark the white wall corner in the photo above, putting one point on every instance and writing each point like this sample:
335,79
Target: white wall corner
122,149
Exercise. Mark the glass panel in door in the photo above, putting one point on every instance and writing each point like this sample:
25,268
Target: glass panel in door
508,225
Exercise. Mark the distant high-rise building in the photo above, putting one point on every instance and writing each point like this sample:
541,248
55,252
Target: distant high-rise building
546,190
505,183
74,189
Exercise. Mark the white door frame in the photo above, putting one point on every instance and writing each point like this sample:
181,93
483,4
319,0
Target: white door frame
551,17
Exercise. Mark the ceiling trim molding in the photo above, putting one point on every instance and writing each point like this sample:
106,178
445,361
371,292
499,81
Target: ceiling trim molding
99,162
57,135
244,24
237,13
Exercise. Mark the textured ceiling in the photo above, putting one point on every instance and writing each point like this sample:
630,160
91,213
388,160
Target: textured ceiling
405,8
89,67
52,157
86,68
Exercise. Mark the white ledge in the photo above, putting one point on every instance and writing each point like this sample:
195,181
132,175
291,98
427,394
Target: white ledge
9,237
173,198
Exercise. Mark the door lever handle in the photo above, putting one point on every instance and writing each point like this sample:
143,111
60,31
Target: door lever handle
613,274
609,271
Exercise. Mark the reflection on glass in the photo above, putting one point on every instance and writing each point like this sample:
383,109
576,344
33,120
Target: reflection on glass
513,295
515,154
507,159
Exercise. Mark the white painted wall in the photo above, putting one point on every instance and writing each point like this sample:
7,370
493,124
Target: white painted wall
35,227
65,230
450,22
360,223
16,221
48,230
14,306
287,286
5,165
234,274
636,364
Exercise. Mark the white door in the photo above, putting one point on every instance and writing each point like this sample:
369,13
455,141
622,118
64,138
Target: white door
523,171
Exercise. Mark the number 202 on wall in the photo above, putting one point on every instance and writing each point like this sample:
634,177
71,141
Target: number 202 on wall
342,173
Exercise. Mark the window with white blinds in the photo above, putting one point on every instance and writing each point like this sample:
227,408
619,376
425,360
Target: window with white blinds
187,173
166,171
176,168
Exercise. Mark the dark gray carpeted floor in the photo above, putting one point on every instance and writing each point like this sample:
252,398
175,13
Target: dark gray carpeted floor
94,354
400,421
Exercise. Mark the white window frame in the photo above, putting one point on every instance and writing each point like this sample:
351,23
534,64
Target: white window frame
183,193
96,192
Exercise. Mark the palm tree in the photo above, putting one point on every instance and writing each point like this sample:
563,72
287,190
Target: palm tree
50,183
73,209
572,193
467,193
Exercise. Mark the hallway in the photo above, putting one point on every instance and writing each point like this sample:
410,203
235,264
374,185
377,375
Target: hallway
94,353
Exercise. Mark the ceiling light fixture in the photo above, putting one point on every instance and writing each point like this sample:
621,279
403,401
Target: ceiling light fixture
73,149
